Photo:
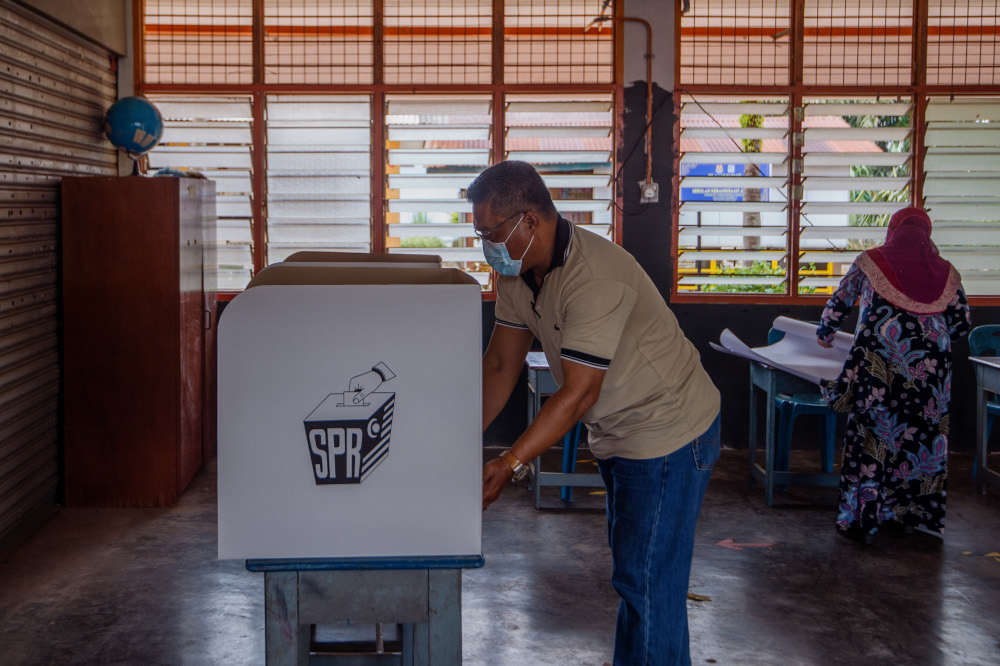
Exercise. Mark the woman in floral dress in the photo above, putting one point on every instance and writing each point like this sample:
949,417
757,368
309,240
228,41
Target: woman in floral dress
896,382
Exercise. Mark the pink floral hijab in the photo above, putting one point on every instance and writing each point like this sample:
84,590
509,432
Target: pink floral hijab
907,269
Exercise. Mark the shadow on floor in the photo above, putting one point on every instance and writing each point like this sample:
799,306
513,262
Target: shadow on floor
143,586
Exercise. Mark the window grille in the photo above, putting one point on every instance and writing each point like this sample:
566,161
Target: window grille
438,41
548,41
316,145
318,42
208,41
963,42
962,186
213,135
857,43
855,152
735,42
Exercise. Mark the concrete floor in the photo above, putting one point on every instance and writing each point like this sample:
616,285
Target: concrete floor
143,586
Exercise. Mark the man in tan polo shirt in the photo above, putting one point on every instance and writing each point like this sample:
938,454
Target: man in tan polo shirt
626,370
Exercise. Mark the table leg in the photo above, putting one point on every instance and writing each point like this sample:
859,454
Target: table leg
534,466
534,404
286,642
444,627
981,443
769,439
753,426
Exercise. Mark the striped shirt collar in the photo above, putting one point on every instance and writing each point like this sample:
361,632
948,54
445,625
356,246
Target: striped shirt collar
564,243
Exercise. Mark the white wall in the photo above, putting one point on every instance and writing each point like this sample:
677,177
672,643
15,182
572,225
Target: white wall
660,15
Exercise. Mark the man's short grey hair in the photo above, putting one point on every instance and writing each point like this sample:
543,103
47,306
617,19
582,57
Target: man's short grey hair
511,187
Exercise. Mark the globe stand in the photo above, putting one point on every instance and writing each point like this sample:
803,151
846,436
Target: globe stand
139,168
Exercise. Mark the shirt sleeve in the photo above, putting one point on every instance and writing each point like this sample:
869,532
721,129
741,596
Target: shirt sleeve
594,319
506,313
840,304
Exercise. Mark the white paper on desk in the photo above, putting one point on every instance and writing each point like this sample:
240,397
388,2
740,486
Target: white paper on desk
797,353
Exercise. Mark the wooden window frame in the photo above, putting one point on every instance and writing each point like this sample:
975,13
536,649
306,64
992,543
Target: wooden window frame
378,90
918,89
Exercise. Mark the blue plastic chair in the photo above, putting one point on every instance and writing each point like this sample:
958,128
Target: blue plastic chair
789,408
985,341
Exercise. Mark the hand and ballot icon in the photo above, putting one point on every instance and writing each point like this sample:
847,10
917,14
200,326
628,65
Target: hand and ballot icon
348,433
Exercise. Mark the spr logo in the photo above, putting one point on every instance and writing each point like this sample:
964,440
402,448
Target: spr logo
348,433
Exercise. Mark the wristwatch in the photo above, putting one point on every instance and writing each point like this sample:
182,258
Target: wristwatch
519,468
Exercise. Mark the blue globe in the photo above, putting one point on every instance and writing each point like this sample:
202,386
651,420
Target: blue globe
134,125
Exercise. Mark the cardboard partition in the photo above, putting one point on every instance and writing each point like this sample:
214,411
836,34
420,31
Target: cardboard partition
319,257
350,415
331,274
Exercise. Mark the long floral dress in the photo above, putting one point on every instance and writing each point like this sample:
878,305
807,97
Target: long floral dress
895,386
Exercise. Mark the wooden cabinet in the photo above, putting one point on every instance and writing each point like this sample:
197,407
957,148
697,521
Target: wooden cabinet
138,344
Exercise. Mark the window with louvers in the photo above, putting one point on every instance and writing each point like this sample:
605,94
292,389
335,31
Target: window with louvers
318,174
212,135
847,112
373,117
962,186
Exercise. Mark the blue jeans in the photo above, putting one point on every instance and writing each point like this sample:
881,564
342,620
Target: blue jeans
652,509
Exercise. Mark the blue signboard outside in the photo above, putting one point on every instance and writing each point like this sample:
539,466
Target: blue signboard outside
720,192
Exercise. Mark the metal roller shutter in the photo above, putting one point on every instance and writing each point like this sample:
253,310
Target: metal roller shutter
54,90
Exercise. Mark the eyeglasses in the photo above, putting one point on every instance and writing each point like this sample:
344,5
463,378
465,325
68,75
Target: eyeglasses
488,234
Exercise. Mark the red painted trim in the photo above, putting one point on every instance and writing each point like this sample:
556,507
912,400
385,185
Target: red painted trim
794,205
364,32
138,42
282,88
747,299
744,32
884,91
773,299
919,150
618,218
380,183
259,184
618,195
675,205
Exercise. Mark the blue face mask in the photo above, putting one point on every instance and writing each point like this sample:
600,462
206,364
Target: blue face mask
498,257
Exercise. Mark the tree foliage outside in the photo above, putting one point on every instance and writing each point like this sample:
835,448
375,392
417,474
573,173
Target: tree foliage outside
765,268
868,171
757,269
421,241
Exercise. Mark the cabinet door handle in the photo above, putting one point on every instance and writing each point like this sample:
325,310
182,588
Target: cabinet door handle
206,317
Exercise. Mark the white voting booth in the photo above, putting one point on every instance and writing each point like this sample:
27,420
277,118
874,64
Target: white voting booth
353,259
350,412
